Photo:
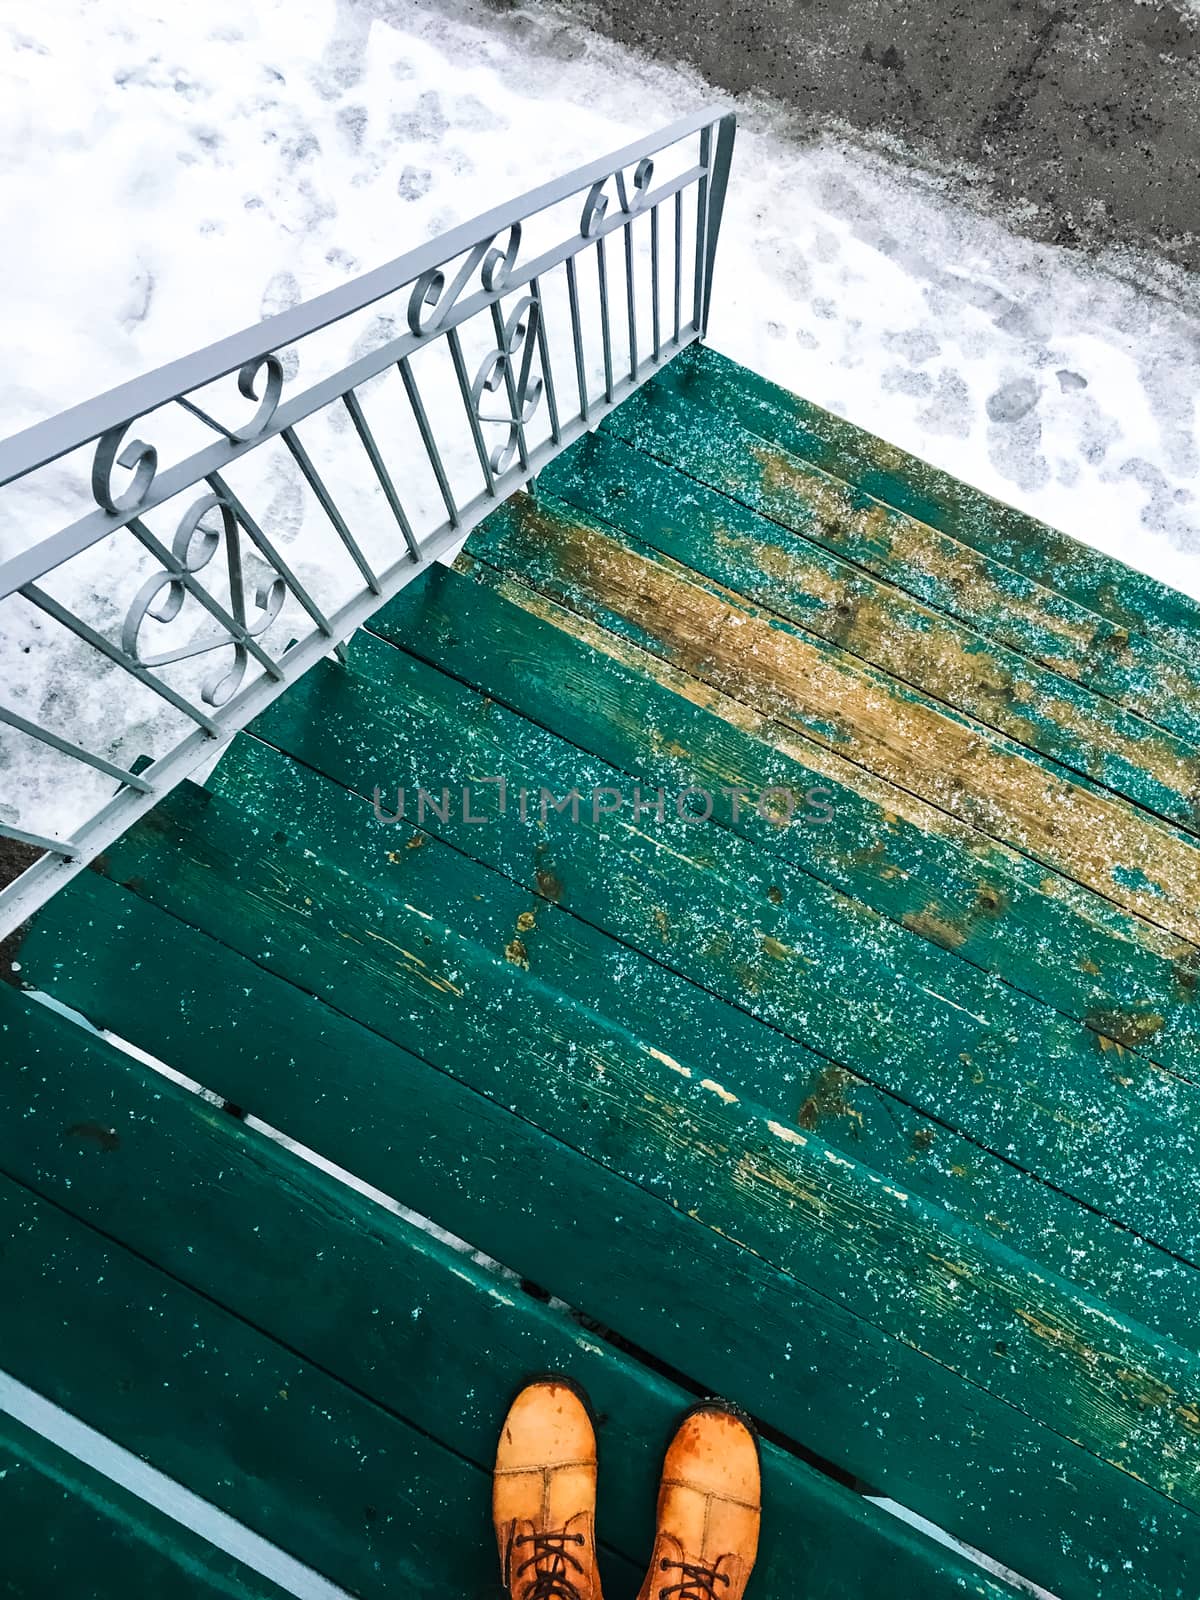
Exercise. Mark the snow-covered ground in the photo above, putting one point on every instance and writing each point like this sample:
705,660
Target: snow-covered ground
170,173
173,172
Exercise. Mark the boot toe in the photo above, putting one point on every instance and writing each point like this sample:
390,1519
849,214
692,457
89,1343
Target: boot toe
547,1426
714,1452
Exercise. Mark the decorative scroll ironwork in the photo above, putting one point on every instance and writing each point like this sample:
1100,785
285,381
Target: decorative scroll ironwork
524,392
142,458
431,302
194,546
139,457
271,393
595,207
483,269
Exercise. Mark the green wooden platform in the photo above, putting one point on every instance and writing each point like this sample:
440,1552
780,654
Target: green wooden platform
71,1531
884,1123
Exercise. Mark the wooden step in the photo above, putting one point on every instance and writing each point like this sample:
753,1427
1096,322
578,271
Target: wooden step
659,508
942,880
311,1361
1061,820
1024,1082
937,1364
68,1530
1145,618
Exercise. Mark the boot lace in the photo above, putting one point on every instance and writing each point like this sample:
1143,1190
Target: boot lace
551,1563
699,1582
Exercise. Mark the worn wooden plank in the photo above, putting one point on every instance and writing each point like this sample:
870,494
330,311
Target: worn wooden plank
68,1530
437,1338
586,967
662,509
980,777
935,569
803,1218
86,948
1142,613
229,1413
919,867
1024,1081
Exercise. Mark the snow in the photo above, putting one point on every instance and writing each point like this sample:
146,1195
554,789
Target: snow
171,174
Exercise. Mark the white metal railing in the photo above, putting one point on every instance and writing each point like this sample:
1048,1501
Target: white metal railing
487,351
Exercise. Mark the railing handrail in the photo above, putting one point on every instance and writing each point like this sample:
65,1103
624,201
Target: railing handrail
43,442
28,565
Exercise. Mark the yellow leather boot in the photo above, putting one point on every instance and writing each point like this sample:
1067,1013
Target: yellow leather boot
709,1507
544,1494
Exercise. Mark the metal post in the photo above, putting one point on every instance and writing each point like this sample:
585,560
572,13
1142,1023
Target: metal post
717,186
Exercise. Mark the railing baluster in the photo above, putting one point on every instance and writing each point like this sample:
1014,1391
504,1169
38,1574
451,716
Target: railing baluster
65,747
464,388
605,329
301,457
630,301
535,289
715,188
431,449
654,314
678,259
367,438
47,603
40,841
217,427
577,337
702,222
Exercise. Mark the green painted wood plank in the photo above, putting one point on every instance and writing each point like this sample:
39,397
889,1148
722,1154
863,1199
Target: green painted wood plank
68,1530
436,1337
660,508
802,1217
1018,1078
86,948
1136,606
230,1414
981,778
717,450
945,882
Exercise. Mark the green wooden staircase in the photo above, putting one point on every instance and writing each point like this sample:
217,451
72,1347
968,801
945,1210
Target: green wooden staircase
882,1121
